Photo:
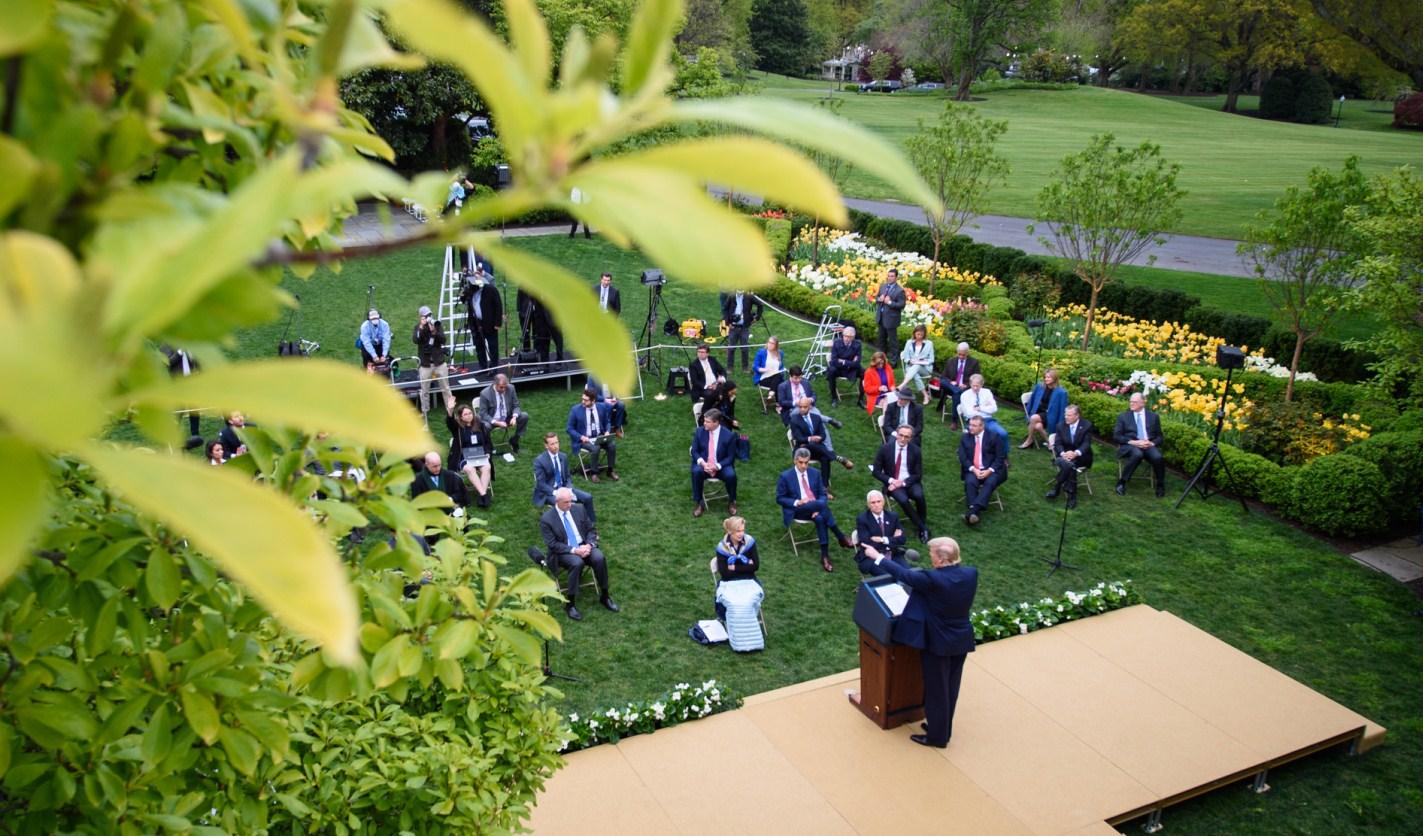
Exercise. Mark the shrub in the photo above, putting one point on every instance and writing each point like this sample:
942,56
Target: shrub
1399,457
1314,100
778,235
1410,420
1408,112
1340,495
1277,98
1032,294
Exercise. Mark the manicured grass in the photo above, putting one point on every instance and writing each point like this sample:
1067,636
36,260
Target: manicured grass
1357,115
1232,166
1262,586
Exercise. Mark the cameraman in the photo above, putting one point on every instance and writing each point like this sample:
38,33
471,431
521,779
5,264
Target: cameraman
429,339
374,341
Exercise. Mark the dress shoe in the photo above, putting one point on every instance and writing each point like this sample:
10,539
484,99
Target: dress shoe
608,602
613,475
731,509
514,444
1121,489
924,535
973,519
923,740
1160,490
844,542
834,422
620,432
1052,494
1026,444
846,463
1071,501
592,477
825,563
699,510
573,613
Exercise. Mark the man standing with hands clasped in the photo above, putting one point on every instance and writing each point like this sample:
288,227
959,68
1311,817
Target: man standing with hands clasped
936,621
889,305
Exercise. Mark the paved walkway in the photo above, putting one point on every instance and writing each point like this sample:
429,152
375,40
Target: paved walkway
367,227
1180,252
1401,559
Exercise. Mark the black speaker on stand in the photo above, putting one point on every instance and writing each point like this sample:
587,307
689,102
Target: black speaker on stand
1230,358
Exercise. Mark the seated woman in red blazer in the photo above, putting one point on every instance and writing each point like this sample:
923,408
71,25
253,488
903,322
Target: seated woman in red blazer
879,381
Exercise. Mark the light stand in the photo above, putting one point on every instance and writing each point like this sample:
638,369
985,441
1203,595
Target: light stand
1230,359
1056,563
1036,326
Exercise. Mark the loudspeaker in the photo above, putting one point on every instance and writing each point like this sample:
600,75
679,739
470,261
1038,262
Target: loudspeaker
678,381
1229,357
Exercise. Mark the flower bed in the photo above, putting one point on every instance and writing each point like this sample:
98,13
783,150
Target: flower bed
683,702
1002,622
1119,335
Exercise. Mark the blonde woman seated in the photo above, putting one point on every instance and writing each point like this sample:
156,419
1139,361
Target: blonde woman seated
738,593
918,357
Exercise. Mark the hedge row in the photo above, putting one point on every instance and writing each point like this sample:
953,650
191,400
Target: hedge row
1328,359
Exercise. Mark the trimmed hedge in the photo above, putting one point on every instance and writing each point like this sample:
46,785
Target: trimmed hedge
1399,459
1339,494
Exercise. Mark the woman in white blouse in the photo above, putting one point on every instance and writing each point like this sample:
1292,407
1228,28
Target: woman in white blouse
978,400
918,357
768,369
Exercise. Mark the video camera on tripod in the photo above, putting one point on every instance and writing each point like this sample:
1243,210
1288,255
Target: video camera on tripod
653,278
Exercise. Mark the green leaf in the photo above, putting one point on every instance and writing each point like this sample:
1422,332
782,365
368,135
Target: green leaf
649,41
169,822
25,24
286,561
457,639
749,164
5,750
532,582
268,731
242,749
17,171
157,738
431,499
24,502
101,635
529,38
304,671
524,645
539,621
594,335
72,721
814,128
366,46
161,579
451,673
312,396
385,667
340,513
201,713
410,658
121,719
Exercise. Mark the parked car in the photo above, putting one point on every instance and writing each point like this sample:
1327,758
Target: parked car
884,85
929,85
477,126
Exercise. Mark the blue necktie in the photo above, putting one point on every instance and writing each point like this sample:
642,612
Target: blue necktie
557,472
809,426
572,534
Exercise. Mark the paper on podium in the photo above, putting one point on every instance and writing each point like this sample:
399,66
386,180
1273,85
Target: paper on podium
893,596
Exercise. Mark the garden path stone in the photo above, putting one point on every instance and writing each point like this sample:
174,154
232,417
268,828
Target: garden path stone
1401,559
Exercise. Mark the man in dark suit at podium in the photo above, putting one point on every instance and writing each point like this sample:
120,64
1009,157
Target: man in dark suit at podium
936,621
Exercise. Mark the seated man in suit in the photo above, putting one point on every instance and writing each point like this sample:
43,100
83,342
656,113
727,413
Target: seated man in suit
590,428
877,533
499,407
705,375
1071,444
1138,434
434,477
572,541
954,379
713,453
983,464
845,362
936,620
551,473
808,431
801,495
616,408
899,464
790,392
904,411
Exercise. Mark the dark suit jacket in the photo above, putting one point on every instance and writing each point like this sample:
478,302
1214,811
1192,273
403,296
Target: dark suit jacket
951,369
1081,441
615,299
800,433
751,309
1125,429
844,356
888,314
490,305
448,481
544,483
994,456
865,528
788,491
884,463
696,378
556,537
936,618
916,417
725,446
578,421
783,393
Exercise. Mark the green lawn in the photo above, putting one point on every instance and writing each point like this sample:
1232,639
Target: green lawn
1232,166
1262,586
1357,115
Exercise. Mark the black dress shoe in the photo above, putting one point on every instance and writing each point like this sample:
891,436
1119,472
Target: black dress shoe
1121,489
845,542
923,740
826,564
573,613
1052,494
924,536
607,601
1160,490
834,422
973,519
1072,502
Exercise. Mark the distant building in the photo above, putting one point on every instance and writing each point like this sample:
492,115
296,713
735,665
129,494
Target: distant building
847,67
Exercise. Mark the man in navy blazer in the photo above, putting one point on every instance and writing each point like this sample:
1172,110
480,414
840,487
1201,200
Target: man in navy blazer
877,533
551,473
713,452
590,427
1072,448
791,390
899,465
983,464
808,430
845,352
936,621
903,412
801,495
1138,434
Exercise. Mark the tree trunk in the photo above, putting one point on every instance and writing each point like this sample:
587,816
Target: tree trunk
1141,81
934,269
1232,91
1294,366
965,82
1091,311
437,140
815,245
1192,68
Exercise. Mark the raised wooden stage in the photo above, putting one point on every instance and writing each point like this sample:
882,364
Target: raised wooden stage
1065,731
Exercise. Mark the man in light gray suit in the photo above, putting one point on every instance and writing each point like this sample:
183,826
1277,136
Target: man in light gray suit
889,306
499,407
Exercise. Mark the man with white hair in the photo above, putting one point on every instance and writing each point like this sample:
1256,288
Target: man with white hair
936,621
1138,435
877,534
845,362
572,540
955,377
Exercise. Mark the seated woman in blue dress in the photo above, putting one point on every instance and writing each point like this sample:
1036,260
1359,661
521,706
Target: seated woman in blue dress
1045,408
738,593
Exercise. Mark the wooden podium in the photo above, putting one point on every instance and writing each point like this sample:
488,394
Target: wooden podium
891,681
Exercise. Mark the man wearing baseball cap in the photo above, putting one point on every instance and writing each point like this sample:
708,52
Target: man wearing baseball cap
429,339
374,340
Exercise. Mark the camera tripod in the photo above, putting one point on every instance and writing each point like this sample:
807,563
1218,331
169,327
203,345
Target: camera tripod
1201,481
655,305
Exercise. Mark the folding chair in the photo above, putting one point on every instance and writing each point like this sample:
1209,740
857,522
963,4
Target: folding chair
768,398
1144,465
713,487
557,571
797,543
760,614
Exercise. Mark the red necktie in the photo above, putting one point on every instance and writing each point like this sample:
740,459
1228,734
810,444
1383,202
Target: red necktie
805,488
978,451
898,462
711,448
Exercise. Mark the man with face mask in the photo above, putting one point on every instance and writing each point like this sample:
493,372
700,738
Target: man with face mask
484,313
